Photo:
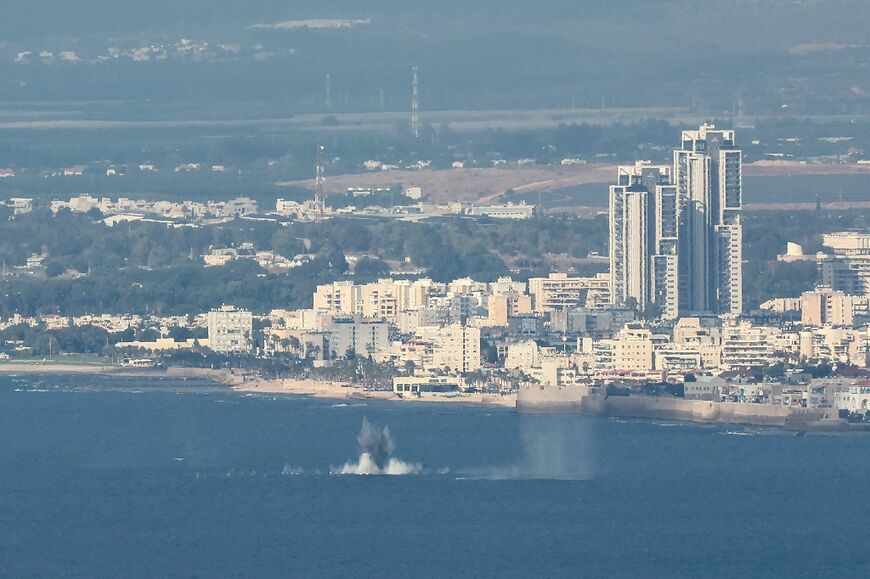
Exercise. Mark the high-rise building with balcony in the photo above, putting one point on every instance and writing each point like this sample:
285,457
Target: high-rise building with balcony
675,232
643,237
709,180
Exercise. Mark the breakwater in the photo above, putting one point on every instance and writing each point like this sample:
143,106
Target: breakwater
592,401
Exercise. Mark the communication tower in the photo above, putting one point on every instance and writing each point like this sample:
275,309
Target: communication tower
319,182
415,102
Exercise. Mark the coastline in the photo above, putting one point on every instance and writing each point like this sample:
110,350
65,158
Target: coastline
640,407
61,368
344,391
593,402
245,384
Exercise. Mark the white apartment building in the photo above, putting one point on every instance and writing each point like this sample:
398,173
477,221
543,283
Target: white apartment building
643,237
745,346
709,179
385,298
522,355
454,347
363,337
560,291
843,345
230,329
846,267
340,297
825,307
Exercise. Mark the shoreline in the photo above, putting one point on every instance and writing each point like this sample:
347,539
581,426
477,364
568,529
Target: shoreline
642,408
344,391
588,403
72,368
244,384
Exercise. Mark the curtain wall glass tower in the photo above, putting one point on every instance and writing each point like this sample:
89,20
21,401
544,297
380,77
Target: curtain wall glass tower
675,233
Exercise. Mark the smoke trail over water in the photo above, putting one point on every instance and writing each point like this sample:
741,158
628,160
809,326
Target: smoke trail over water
553,447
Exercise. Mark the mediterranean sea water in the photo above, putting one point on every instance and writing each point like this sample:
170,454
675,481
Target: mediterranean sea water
141,481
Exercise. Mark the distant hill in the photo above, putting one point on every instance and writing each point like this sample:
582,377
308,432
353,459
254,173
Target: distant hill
483,54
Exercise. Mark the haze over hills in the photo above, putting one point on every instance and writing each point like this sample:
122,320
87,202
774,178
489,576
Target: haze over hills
808,56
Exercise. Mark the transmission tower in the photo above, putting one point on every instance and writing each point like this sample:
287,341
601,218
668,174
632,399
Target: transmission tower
415,102
319,181
328,99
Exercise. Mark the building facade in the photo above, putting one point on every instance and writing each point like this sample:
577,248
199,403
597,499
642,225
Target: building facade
643,238
230,329
675,233
845,266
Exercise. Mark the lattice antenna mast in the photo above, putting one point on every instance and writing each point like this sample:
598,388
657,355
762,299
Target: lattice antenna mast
328,98
415,102
319,182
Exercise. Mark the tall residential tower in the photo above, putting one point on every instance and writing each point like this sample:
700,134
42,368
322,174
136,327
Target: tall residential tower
709,178
675,233
643,238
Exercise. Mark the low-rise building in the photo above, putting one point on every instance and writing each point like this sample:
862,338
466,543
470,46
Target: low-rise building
560,291
423,384
509,211
164,344
855,399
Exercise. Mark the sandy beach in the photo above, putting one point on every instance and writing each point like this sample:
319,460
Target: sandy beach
342,391
246,384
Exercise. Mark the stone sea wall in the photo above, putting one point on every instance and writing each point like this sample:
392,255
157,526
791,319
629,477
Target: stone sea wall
592,402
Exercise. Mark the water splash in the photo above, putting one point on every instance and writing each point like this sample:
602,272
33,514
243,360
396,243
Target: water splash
376,450
290,470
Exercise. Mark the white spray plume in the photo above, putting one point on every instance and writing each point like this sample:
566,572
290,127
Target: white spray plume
554,447
376,449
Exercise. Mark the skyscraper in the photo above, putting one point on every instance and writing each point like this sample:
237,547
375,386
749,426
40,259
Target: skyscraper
675,233
709,179
643,235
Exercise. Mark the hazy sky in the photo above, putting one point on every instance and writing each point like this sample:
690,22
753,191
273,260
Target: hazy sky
472,54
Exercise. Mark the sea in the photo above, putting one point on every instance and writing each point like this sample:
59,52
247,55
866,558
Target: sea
131,477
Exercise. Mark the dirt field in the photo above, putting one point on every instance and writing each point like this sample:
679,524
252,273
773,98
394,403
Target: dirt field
473,185
774,168
487,185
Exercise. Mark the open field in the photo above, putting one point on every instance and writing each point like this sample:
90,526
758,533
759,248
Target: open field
473,185
487,185
71,118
